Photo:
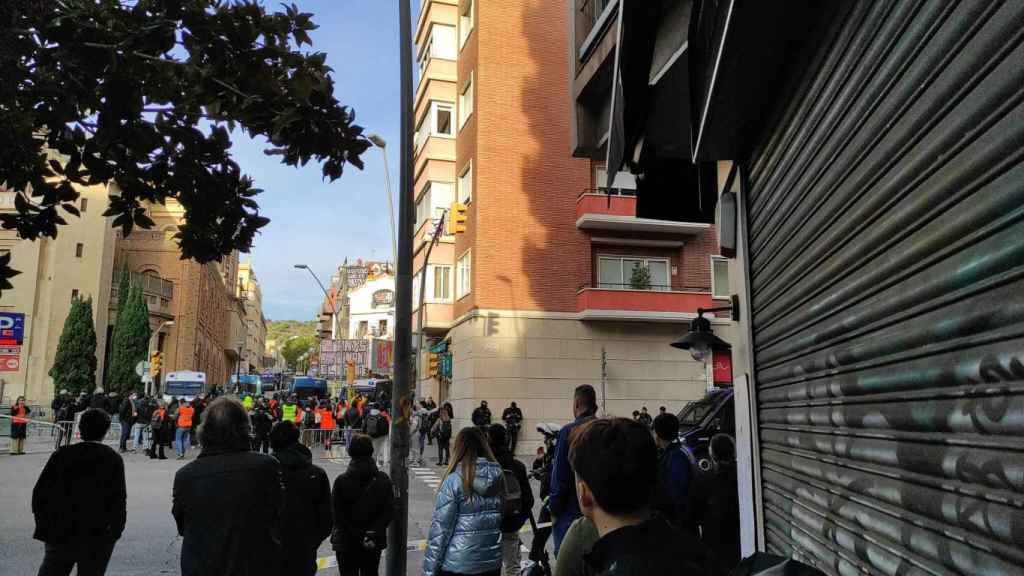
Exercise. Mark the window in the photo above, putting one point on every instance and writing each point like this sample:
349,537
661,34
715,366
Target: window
440,44
719,277
74,293
465,23
382,327
462,279
79,250
466,101
364,326
433,202
466,184
439,281
442,118
84,205
617,273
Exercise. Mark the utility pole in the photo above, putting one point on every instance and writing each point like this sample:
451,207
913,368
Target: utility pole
422,303
401,402
604,381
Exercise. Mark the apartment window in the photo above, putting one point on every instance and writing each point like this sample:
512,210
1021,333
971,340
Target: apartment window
83,205
364,326
79,250
439,279
442,118
74,293
465,23
466,101
617,273
719,277
466,183
382,327
462,278
440,44
624,184
416,290
433,202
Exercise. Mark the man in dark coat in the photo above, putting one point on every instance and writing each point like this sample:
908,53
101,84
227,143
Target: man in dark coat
127,416
482,415
562,500
497,437
227,502
675,471
714,506
80,502
615,461
306,517
363,506
261,423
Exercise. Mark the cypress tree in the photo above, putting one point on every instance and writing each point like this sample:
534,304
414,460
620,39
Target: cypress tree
131,342
74,366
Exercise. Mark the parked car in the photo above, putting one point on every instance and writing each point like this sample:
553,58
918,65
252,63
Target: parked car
699,420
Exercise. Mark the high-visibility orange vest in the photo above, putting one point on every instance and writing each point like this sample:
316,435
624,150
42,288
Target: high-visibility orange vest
185,413
326,420
299,413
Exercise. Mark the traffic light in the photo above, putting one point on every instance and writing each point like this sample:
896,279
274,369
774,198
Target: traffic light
433,365
457,218
154,363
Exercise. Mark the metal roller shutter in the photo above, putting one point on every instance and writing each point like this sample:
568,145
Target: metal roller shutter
885,213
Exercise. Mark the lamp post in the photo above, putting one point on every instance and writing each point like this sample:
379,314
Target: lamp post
382,144
334,311
152,386
401,402
700,340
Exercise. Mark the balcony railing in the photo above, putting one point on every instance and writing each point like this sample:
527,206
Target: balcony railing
591,14
630,286
622,302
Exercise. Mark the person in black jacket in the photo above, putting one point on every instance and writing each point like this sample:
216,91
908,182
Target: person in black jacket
714,508
227,502
127,415
482,415
497,437
261,423
306,489
80,502
363,506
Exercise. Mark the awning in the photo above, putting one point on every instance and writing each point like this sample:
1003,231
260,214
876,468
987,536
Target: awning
650,118
439,348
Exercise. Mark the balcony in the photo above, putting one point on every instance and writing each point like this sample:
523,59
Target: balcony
597,209
656,304
592,19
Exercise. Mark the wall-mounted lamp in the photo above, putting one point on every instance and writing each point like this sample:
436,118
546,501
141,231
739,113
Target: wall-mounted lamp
700,340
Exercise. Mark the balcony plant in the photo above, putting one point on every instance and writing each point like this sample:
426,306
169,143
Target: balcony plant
640,279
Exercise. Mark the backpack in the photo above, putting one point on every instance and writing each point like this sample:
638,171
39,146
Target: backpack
156,422
512,498
376,426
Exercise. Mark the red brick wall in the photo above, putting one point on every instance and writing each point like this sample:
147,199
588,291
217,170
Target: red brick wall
527,252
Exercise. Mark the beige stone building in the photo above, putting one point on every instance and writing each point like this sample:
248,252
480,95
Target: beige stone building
255,324
78,262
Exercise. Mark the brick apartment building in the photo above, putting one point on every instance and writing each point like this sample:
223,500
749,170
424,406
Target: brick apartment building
542,282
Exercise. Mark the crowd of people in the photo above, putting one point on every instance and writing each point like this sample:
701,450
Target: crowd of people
239,511
622,497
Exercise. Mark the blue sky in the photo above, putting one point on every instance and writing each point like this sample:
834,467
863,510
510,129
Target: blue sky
312,221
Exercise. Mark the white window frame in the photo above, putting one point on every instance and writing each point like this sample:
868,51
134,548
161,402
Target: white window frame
714,289
435,107
464,275
466,100
623,284
432,296
467,22
464,186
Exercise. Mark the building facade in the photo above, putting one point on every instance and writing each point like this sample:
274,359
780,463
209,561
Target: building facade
78,262
249,293
199,320
556,281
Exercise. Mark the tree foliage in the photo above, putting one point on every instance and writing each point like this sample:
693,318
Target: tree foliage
74,366
130,343
295,347
143,94
280,330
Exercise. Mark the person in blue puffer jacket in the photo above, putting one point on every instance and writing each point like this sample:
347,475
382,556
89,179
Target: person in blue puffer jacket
465,533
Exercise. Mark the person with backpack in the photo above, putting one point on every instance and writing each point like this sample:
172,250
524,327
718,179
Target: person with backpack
306,489
443,432
375,425
465,531
158,425
363,500
518,503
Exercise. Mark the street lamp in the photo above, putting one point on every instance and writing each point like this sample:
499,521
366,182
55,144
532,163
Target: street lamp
149,349
382,144
700,340
334,311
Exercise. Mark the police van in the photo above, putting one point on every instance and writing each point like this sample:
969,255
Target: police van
184,385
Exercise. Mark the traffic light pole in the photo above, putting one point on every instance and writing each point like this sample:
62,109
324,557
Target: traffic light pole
423,292
401,401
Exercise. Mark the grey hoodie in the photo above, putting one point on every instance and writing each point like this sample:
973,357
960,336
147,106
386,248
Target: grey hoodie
465,534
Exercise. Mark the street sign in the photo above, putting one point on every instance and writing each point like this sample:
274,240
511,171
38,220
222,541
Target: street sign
10,363
12,329
142,368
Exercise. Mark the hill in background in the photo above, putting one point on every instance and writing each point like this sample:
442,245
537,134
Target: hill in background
281,330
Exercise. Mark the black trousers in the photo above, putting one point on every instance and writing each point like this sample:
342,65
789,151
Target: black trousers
358,562
443,451
91,557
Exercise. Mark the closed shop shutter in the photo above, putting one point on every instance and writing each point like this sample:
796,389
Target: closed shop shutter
885,212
